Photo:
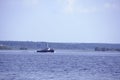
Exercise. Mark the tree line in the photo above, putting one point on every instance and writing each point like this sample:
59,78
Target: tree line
106,49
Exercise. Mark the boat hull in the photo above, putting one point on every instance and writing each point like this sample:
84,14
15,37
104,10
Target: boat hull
51,50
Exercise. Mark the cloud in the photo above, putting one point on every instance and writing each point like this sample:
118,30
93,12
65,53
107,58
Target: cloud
69,8
110,5
83,7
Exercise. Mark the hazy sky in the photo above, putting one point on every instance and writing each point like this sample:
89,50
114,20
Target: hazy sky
91,21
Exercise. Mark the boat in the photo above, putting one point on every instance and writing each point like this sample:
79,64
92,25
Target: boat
46,49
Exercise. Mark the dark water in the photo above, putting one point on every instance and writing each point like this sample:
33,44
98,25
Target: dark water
21,65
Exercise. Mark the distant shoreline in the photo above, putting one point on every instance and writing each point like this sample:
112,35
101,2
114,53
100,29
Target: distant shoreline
29,45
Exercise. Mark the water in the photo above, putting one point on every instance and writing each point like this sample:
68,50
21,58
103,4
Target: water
61,65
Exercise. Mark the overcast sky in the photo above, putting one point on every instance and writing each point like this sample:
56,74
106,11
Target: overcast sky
91,21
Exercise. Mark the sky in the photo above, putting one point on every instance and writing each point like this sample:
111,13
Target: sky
83,21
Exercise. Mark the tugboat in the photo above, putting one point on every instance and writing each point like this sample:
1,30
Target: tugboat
46,49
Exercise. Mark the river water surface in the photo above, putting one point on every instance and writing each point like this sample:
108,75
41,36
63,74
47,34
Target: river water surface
61,65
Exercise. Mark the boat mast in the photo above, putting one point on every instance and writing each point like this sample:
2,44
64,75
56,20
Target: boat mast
47,45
